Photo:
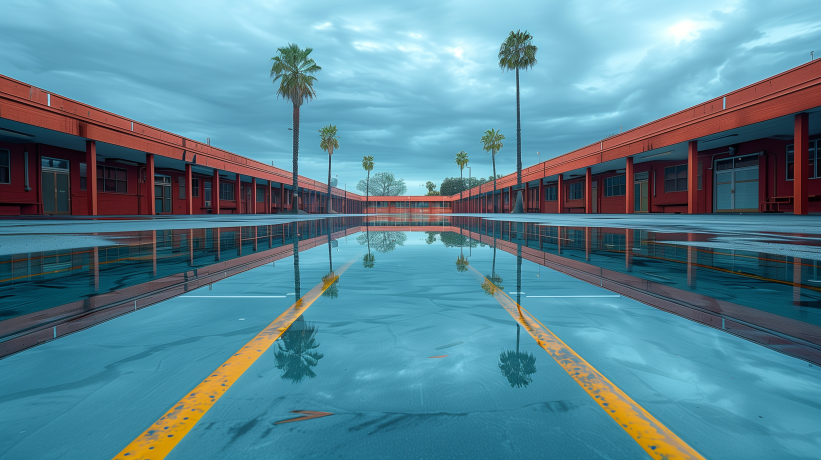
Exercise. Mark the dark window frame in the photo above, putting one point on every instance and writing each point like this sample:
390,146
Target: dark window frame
575,191
226,191
551,193
115,184
5,170
678,179
195,190
615,186
815,169
260,194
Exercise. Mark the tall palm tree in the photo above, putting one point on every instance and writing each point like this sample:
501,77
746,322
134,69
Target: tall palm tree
492,142
367,165
462,161
295,70
518,52
329,142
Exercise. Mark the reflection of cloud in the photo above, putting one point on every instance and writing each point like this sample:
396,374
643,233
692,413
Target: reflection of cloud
424,76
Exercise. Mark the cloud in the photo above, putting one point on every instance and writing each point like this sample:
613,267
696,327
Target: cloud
409,83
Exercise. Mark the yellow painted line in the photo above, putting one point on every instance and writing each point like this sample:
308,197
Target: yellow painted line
163,435
655,438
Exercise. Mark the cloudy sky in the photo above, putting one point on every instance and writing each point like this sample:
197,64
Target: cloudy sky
410,83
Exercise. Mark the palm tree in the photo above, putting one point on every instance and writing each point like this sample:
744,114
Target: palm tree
518,52
295,70
369,260
462,161
367,165
329,142
462,264
492,142
295,353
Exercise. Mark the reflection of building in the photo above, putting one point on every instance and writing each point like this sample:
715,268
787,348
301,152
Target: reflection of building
751,150
82,287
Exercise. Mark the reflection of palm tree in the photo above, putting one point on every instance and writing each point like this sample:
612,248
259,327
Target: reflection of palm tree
431,238
332,291
383,242
295,237
369,259
462,264
517,366
296,352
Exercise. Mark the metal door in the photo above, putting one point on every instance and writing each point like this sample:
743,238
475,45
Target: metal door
56,185
737,184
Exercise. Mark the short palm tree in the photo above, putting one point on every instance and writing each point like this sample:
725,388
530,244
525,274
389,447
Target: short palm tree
462,161
492,142
517,366
367,165
462,264
329,141
518,52
294,69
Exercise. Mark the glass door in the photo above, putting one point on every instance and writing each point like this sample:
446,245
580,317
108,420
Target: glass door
162,194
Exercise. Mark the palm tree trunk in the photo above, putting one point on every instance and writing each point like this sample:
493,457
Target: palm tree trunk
328,207
518,332
462,187
295,200
493,156
330,256
518,134
368,193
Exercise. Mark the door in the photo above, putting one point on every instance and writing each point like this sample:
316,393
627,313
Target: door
206,192
56,186
640,191
162,194
737,184
248,203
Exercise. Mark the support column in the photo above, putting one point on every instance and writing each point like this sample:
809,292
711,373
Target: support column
91,177
149,183
541,195
153,253
802,164
629,188
96,268
190,247
238,193
269,193
252,206
560,194
215,194
282,197
796,281
692,176
216,236
588,234
588,191
189,189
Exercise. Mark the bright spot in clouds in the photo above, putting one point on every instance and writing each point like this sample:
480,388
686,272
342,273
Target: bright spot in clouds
457,52
323,26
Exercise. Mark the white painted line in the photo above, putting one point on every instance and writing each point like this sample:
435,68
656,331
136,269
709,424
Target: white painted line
553,296
513,293
237,296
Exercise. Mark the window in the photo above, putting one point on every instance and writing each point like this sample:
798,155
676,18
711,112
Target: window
615,186
5,167
83,176
260,194
182,188
575,191
195,187
675,179
113,180
551,193
815,168
226,191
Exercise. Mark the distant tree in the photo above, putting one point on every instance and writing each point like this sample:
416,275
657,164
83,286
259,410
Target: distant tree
455,240
383,184
383,241
294,70
453,185
431,188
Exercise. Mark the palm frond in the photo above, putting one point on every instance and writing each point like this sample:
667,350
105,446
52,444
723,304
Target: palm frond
517,51
294,70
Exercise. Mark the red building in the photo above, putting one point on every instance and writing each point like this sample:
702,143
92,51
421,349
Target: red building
751,150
